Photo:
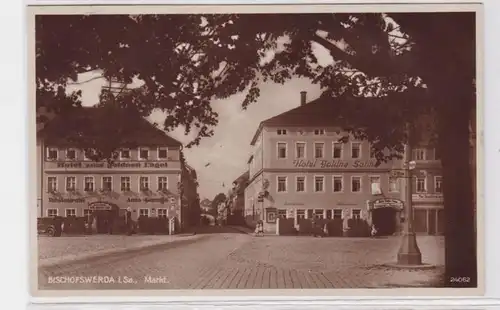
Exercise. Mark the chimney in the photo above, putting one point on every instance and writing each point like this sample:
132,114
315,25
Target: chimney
303,97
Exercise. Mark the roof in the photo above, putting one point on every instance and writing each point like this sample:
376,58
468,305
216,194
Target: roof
243,177
81,122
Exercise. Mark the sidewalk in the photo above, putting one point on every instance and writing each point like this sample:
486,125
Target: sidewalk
64,250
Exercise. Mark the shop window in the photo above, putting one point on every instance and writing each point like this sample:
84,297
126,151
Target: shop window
356,184
52,154
143,153
420,185
52,212
310,213
125,184
162,213
337,214
107,184
301,214
144,212
328,214
52,184
301,184
70,212
162,153
438,181
356,213
89,184
70,154
355,150
319,213
281,184
125,154
319,184
282,213
282,150
337,183
300,150
319,150
337,150
70,184
143,184
162,183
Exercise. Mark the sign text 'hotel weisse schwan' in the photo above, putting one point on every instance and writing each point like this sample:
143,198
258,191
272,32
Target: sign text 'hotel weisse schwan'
326,164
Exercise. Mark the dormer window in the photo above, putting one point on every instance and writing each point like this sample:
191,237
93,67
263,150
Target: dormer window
282,132
125,154
143,153
88,154
319,132
162,153
52,154
70,154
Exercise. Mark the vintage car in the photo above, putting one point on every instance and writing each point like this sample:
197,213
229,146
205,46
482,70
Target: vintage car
50,226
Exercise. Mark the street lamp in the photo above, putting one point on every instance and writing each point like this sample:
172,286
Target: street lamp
409,253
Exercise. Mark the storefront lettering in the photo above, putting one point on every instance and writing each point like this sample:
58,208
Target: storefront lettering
428,196
92,165
301,163
288,203
146,200
67,200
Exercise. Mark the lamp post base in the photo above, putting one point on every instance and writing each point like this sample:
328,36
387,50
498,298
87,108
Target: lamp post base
409,253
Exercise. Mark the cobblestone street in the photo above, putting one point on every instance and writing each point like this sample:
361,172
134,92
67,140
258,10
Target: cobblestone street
230,260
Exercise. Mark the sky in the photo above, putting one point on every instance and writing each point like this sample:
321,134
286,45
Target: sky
220,159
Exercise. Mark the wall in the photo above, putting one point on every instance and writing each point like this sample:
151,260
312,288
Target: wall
253,208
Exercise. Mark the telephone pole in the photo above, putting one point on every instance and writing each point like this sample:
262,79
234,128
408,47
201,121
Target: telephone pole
409,253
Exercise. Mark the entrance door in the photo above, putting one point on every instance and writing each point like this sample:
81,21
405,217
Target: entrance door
384,220
431,219
103,221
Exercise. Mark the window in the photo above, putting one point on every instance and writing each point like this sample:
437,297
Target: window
356,184
52,154
310,213
281,150
319,132
319,213
107,184
319,183
337,184
144,212
300,150
437,154
162,183
143,184
162,213
438,181
419,154
162,153
89,154
421,188
87,212
125,184
52,212
281,132
319,149
337,150
301,214
337,214
356,213
328,214
143,153
393,185
70,154
70,184
300,184
89,184
372,152
281,184
52,184
375,185
355,150
282,213
70,212
125,154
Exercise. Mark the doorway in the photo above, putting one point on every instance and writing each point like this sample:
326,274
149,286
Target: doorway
384,220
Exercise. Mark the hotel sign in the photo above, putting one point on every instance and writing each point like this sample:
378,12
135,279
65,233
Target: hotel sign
427,197
326,164
387,203
92,165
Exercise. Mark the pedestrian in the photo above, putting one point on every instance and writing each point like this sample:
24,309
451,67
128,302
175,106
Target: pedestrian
128,221
374,230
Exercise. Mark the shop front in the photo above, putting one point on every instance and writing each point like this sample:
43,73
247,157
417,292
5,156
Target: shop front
387,215
428,214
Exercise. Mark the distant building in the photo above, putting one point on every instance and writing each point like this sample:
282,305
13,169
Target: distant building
144,176
299,168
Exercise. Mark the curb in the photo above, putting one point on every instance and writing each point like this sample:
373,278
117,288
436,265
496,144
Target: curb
99,255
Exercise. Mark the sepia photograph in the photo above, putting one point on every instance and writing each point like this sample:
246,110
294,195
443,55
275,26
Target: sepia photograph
281,148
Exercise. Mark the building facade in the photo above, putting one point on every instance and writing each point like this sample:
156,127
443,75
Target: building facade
299,168
144,178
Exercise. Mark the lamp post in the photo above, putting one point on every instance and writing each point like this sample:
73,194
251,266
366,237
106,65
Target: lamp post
409,253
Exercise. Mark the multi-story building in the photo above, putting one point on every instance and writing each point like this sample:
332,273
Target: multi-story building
300,168
143,177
